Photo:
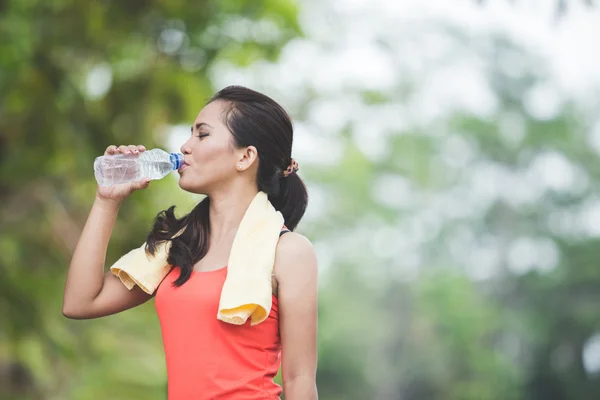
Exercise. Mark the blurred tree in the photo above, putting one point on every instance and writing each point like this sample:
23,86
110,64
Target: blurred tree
76,77
466,250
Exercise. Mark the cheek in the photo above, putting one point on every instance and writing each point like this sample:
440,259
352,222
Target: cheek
206,155
213,158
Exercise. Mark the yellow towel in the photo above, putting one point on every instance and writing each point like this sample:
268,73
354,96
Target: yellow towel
137,268
247,289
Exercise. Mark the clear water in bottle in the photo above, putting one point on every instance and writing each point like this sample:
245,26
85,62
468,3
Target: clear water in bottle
122,168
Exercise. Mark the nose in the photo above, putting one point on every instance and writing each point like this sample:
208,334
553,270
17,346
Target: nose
185,148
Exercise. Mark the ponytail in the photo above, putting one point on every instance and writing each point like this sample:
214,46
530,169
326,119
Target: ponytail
187,248
291,200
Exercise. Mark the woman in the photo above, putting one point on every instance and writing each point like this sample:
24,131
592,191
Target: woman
240,144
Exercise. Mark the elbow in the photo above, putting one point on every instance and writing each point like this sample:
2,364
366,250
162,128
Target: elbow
68,312
71,313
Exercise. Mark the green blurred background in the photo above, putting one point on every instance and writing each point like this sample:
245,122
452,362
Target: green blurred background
451,154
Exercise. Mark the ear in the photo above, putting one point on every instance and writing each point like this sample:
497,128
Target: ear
247,157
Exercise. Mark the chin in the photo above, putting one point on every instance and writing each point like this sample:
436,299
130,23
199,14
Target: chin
192,187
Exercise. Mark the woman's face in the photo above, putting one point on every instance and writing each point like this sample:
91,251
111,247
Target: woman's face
210,157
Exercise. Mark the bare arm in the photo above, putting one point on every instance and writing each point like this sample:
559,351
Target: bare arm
296,274
89,291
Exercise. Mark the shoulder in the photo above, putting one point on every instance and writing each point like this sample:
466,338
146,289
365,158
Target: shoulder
294,256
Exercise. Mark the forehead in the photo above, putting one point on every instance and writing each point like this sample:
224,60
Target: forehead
212,114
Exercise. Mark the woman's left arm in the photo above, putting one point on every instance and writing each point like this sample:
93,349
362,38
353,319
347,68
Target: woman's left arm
296,274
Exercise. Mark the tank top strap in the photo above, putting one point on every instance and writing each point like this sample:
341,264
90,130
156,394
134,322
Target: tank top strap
284,230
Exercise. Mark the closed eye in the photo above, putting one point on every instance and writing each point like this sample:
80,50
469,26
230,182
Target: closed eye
202,135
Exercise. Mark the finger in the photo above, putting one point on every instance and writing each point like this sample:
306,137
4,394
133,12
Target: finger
133,149
110,150
141,148
143,184
124,149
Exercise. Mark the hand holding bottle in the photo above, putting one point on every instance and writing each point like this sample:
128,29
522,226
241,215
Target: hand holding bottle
116,193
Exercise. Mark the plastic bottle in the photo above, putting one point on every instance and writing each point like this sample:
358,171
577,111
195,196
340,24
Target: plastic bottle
121,168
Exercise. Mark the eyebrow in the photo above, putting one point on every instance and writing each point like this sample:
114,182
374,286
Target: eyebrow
199,125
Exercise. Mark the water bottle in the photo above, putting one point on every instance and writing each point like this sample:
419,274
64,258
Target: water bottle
125,168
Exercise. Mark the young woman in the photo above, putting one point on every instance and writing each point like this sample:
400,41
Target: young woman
241,144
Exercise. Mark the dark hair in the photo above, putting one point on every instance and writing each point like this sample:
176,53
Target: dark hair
254,120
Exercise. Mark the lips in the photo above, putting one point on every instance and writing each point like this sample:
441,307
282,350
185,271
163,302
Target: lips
184,166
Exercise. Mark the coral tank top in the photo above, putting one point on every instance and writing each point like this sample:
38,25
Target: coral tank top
210,359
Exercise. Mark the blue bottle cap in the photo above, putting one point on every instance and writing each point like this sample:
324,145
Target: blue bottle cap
177,160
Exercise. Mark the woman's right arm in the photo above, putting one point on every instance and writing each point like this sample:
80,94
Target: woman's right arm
90,292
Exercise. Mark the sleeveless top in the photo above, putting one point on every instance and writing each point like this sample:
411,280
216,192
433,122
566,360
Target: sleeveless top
211,359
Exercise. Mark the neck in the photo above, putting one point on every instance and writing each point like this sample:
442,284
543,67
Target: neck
227,208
